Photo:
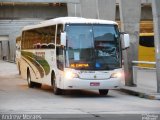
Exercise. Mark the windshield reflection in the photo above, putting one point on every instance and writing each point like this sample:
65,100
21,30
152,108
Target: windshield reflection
93,47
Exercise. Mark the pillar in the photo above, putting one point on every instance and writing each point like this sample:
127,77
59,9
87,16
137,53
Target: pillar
156,19
5,50
0,50
130,11
12,44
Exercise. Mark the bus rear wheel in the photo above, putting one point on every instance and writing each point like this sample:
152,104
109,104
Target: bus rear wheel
103,92
30,83
19,70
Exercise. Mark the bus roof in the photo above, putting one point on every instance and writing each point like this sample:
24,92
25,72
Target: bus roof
67,20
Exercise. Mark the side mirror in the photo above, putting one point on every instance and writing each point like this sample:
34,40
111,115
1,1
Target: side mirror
126,41
63,38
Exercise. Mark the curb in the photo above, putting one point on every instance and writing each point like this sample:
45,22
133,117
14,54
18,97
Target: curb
141,94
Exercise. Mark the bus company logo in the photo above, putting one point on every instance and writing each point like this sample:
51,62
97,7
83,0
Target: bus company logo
149,117
95,76
40,54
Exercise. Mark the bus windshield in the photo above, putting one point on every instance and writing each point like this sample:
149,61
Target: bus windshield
93,47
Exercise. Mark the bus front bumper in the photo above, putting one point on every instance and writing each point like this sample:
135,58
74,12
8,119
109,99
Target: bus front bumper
111,83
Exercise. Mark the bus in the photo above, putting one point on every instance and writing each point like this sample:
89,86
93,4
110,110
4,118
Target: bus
146,49
70,53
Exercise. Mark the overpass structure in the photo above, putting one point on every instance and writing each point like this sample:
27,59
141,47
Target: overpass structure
14,14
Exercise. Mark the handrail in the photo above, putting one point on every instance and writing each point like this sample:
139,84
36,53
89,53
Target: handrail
144,62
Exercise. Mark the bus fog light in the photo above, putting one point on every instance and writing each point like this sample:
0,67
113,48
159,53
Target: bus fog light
70,75
116,75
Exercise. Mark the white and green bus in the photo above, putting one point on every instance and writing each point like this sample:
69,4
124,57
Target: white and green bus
71,53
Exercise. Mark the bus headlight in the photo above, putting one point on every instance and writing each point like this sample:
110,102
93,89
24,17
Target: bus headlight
116,75
70,75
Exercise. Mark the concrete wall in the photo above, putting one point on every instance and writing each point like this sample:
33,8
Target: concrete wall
98,9
31,11
89,8
74,10
12,28
107,9
146,13
14,18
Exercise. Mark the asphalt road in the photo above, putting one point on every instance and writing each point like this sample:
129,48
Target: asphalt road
17,98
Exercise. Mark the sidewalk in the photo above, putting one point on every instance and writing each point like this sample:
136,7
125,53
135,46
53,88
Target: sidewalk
143,93
146,83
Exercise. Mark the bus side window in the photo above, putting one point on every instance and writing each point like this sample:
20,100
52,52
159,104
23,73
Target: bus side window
59,30
51,45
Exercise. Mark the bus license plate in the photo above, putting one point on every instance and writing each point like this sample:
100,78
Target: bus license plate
94,84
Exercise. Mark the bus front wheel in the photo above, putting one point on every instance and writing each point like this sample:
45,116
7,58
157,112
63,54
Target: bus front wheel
103,92
56,90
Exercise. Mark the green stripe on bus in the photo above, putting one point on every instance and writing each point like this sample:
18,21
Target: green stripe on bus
37,61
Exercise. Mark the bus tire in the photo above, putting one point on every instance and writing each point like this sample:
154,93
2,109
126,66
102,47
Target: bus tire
19,70
38,85
103,92
30,83
56,90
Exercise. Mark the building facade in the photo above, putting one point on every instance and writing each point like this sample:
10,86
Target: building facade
14,14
